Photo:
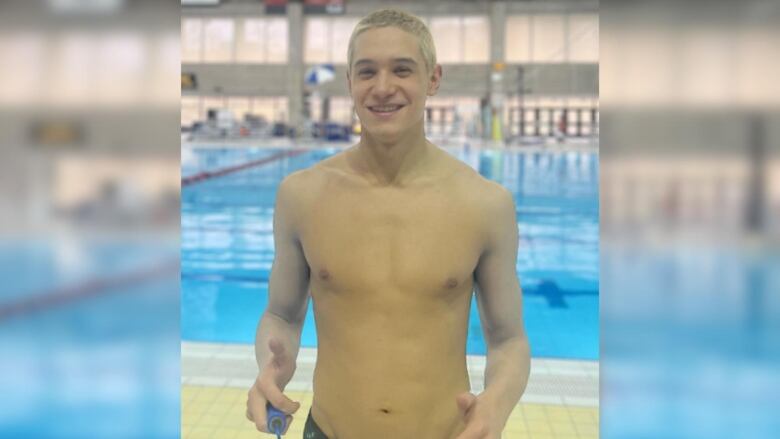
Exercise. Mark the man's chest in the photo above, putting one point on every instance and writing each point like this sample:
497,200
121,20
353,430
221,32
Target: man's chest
376,238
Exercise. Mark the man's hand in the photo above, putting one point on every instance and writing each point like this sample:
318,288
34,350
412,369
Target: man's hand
268,388
478,418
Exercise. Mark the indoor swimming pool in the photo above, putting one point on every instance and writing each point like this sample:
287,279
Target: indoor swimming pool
227,243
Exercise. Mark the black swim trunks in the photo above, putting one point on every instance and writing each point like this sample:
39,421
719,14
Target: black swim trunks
311,430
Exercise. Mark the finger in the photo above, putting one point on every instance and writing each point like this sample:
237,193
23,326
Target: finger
255,407
465,401
279,399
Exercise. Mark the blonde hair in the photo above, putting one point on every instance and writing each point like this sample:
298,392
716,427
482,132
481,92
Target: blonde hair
402,20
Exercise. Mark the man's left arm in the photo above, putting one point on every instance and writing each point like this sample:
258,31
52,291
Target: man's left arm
499,299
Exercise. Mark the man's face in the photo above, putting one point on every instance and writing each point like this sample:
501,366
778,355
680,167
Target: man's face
389,82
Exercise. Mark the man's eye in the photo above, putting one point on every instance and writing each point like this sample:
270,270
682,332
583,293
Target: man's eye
403,70
365,72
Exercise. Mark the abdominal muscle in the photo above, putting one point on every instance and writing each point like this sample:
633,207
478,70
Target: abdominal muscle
388,374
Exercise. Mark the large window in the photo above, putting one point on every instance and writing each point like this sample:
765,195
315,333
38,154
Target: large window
547,39
250,45
218,38
552,38
191,40
584,37
271,108
276,41
452,115
517,45
458,39
262,40
326,39
461,39
225,40
190,110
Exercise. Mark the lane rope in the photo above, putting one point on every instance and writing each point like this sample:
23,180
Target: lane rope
208,175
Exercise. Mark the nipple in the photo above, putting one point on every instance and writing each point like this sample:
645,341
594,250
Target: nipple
324,274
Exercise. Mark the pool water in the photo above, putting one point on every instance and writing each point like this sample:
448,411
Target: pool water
227,244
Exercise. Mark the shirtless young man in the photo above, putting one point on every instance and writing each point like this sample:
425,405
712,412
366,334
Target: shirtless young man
391,236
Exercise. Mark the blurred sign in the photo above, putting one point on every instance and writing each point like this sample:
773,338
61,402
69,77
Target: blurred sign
199,2
189,81
57,133
86,6
275,7
323,6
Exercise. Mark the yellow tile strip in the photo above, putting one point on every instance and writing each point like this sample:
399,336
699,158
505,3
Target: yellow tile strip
218,413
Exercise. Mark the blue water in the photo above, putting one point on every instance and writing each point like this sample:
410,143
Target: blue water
227,245
105,364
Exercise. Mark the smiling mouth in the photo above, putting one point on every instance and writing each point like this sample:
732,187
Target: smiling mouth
384,109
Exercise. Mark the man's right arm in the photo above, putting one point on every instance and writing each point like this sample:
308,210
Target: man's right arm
278,334
289,282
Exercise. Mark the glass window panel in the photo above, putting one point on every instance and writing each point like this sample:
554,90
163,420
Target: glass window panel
317,40
584,38
548,42
212,103
250,47
165,86
276,40
341,109
518,38
191,40
476,40
121,68
190,110
280,109
74,80
22,81
273,109
262,107
218,40
240,106
315,107
341,31
448,38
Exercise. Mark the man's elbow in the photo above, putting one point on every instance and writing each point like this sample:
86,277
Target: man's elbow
287,315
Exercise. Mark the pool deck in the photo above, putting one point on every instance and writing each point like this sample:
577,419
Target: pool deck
560,402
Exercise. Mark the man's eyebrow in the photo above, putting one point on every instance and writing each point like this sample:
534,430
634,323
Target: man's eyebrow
397,60
405,60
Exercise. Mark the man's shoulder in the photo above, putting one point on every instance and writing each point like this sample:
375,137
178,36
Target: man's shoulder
305,181
477,187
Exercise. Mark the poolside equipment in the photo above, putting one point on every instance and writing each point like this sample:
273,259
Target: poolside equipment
320,74
277,420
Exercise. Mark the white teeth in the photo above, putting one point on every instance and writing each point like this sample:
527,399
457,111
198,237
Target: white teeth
385,109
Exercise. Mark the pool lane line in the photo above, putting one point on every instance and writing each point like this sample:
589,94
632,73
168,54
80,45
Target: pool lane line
89,288
207,175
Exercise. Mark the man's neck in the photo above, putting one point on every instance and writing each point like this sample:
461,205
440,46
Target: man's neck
393,163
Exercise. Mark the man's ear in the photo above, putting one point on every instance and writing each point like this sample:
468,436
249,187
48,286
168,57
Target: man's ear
435,80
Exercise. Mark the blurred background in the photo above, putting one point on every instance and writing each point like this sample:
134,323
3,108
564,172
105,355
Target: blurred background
89,192
89,187
690,204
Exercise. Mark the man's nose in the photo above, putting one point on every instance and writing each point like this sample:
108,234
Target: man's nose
384,85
